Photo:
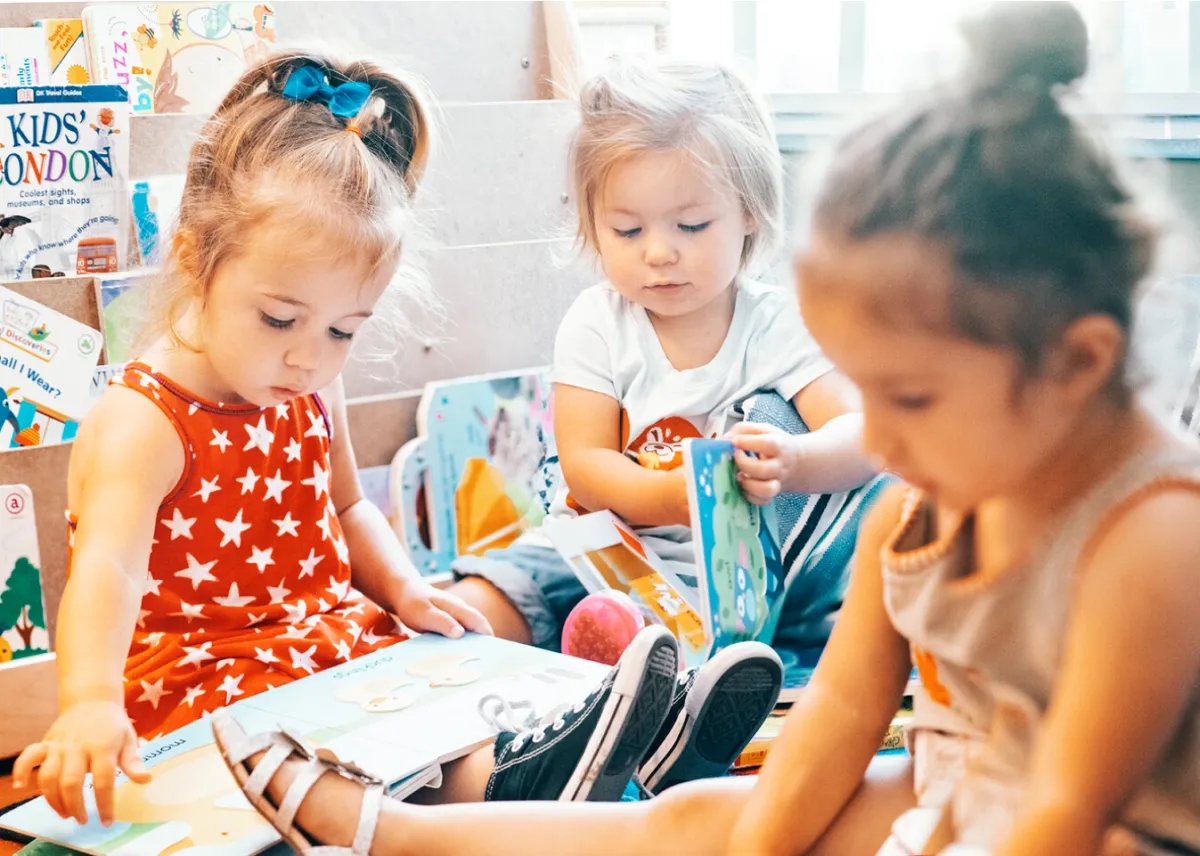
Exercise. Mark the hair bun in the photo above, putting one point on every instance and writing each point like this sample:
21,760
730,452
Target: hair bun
1036,43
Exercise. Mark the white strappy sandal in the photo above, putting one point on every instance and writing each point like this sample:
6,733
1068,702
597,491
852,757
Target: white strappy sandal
237,747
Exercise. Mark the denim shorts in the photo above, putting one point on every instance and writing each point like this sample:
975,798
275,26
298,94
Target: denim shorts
536,580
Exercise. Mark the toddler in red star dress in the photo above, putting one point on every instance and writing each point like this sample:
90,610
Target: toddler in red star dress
219,536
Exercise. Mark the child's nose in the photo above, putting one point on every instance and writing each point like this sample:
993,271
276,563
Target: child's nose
882,445
304,356
659,250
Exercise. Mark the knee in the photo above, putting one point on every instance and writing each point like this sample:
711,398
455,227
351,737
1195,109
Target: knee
676,812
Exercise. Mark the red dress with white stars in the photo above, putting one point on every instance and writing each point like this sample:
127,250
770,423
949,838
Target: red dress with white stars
249,576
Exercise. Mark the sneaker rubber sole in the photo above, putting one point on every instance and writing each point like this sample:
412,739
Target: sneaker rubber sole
633,713
731,697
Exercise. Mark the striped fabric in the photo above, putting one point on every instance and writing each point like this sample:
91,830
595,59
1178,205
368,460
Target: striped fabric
822,531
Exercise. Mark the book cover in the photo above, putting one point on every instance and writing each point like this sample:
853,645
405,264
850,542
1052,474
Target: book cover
123,299
394,713
177,57
64,161
47,361
605,554
490,463
22,608
67,51
24,57
738,560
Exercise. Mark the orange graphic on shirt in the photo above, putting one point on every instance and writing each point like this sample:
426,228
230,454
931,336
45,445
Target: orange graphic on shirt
659,447
927,667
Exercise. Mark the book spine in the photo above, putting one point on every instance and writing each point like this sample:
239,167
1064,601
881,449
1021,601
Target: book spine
755,755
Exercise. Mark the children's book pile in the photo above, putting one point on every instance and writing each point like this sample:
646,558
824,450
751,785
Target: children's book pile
398,713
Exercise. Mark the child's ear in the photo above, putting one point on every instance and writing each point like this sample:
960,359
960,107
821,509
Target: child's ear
1086,356
183,248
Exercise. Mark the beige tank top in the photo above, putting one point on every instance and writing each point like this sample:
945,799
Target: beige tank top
989,650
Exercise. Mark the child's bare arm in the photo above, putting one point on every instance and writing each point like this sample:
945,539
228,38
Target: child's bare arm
380,568
587,430
126,458
834,730
1130,666
828,459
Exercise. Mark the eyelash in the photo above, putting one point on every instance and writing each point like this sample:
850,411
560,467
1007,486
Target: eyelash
280,324
691,229
912,402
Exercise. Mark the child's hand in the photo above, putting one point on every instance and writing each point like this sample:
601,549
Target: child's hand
426,609
95,737
765,455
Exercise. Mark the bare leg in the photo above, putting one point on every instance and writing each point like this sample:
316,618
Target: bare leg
505,619
864,824
463,781
694,819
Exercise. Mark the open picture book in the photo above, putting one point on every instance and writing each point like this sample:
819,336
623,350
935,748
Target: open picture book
398,713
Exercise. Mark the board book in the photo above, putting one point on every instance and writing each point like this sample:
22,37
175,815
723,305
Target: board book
605,554
397,713
482,469
176,57
22,606
64,164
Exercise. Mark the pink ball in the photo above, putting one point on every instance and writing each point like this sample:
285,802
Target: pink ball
601,626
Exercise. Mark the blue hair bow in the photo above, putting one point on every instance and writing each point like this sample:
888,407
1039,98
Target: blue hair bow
307,83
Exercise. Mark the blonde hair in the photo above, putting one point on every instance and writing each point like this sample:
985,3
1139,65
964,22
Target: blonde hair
262,158
702,109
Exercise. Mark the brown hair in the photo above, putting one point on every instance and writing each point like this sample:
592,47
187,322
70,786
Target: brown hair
1040,226
703,109
263,157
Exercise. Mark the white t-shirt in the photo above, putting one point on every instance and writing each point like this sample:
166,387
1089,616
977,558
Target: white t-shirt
607,344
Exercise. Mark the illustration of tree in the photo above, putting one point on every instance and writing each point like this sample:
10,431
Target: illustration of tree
21,601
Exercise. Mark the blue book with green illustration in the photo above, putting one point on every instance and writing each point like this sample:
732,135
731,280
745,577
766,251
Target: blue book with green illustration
739,563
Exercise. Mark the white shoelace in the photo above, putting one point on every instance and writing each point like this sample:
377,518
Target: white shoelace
501,714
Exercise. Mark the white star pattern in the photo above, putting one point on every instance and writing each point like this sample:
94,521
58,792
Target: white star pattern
343,552
355,632
151,586
343,650
260,436
255,619
141,619
319,481
232,529
229,686
196,656
293,450
179,527
197,572
316,426
295,613
233,599
261,558
152,639
192,408
322,606
324,527
153,692
207,488
307,565
220,439
193,693
275,487
287,526
265,656
248,481
278,593
314,619
295,631
303,659
190,611
281,411
358,609
369,638
338,590
224,664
